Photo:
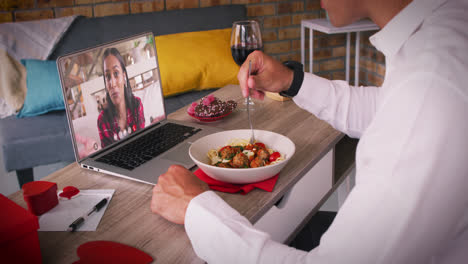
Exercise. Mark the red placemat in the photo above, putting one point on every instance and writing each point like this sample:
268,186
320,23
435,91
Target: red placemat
266,185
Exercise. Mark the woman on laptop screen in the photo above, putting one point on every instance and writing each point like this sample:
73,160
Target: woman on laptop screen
123,113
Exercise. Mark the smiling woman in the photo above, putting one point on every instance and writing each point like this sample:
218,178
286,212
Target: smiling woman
123,113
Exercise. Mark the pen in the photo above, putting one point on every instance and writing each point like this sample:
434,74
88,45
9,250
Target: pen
78,222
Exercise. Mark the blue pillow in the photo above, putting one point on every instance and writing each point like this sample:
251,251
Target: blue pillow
44,91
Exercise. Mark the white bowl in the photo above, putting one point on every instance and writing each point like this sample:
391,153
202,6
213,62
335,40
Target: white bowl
199,149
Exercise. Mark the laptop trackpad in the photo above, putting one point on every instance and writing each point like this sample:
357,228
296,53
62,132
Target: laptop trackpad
180,154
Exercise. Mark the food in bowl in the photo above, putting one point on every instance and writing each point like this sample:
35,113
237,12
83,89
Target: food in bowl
239,153
200,147
211,106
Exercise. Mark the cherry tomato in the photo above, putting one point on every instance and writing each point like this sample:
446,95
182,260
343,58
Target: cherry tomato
260,145
221,149
274,156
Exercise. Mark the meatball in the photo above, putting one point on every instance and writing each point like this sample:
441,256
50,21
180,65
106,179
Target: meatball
237,149
257,162
263,154
228,152
240,160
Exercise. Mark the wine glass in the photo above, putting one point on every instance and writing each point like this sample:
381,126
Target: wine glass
245,38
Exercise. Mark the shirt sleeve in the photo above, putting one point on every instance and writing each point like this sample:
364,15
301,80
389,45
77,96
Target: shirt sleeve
348,109
409,202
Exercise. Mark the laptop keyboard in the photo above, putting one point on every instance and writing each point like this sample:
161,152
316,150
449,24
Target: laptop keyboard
148,146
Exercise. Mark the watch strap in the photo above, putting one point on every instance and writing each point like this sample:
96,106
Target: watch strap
297,79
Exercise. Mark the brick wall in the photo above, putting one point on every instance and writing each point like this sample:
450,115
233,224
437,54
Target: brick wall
280,22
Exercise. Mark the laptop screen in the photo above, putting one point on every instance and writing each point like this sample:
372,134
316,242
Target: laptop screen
111,92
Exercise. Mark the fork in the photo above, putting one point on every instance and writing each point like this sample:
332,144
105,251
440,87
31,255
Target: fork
252,138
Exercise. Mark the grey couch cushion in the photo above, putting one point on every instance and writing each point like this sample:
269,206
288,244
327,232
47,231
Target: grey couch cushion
32,141
87,32
29,142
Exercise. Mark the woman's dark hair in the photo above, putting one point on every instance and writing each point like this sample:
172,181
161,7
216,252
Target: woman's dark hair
130,101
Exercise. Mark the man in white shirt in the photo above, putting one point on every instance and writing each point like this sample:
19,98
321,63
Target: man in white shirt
410,201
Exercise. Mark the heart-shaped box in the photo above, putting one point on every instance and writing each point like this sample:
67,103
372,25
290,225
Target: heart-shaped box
40,196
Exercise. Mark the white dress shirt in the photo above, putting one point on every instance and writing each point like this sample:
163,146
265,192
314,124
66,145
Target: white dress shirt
410,201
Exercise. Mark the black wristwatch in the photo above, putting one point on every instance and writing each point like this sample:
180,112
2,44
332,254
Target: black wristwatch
297,79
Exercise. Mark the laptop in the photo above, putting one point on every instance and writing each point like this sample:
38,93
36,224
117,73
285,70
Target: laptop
115,110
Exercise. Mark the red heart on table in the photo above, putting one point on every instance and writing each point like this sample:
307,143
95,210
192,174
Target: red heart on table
41,196
37,187
110,252
69,192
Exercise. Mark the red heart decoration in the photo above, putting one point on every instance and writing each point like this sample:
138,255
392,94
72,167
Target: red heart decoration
69,192
110,252
36,187
41,196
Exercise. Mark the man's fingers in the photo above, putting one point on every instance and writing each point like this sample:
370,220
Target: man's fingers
163,181
173,192
242,76
251,82
257,94
255,61
157,188
155,208
175,168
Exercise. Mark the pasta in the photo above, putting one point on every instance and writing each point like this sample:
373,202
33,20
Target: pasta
239,153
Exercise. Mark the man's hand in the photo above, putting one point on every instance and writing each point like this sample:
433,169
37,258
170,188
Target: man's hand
174,191
267,74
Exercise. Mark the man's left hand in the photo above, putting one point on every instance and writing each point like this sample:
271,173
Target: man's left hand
174,191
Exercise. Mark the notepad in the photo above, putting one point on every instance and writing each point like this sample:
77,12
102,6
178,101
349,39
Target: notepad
68,210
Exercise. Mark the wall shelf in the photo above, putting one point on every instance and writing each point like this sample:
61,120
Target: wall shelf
323,25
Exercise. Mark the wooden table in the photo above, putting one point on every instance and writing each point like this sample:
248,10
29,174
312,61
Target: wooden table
128,218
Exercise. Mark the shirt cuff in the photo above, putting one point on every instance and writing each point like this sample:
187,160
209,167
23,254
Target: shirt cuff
219,233
206,201
314,87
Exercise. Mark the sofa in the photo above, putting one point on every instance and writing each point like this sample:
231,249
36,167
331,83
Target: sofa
45,139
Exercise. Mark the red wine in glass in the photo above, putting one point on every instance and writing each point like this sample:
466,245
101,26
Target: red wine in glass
245,39
240,53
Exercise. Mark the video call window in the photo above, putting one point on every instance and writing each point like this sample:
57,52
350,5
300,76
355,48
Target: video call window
112,92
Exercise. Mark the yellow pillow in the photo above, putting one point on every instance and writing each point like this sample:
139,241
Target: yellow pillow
195,61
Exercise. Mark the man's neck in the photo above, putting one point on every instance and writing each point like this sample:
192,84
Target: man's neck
382,11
